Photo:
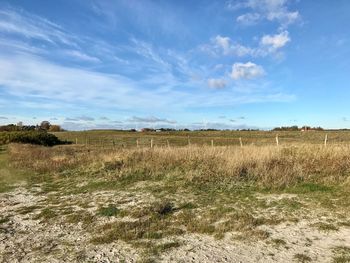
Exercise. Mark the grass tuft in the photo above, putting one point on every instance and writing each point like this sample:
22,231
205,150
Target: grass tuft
110,210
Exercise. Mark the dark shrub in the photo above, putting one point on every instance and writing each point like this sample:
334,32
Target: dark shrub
30,137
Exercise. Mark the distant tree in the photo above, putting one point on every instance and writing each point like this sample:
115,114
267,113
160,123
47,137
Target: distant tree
287,128
9,127
55,128
45,125
147,130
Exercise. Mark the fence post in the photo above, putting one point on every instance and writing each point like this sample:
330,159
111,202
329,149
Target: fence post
151,143
76,140
137,143
189,142
325,140
212,143
167,142
277,141
240,141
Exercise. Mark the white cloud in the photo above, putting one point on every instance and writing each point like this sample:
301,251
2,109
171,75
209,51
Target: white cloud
151,119
39,83
217,83
269,45
81,118
39,79
247,70
275,41
224,43
248,18
285,18
31,26
81,56
271,10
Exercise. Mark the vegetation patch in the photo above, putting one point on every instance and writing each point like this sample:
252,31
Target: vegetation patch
302,258
326,227
31,137
341,254
110,210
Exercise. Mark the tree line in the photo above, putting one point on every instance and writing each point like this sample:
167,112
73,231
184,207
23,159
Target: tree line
43,126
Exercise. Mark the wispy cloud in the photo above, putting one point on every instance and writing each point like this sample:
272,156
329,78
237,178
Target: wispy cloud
217,83
268,45
45,66
271,10
31,26
247,70
80,118
81,56
151,119
274,42
248,19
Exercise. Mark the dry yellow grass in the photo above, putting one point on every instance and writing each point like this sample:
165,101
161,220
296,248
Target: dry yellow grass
149,197
266,165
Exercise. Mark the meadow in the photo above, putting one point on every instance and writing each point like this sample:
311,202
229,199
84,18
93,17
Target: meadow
219,138
111,199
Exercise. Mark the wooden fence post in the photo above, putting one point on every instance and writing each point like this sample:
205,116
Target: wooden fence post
325,140
212,143
277,141
137,143
167,142
189,141
76,140
240,141
151,143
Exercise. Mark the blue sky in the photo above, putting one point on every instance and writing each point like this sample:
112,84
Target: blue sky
198,64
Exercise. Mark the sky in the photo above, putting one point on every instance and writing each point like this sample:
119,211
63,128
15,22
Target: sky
91,64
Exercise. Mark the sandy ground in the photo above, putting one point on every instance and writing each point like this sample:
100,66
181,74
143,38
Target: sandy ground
26,239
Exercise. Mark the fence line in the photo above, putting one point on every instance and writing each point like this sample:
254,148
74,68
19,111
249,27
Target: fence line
178,141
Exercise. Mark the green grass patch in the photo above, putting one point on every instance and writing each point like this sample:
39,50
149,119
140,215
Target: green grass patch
305,188
302,258
28,209
110,210
326,227
341,254
9,176
46,214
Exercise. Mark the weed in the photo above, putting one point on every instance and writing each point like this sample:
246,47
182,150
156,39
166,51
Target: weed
279,242
327,227
46,214
110,210
302,258
28,209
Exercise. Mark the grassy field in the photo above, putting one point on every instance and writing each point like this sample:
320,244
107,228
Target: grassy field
198,203
220,138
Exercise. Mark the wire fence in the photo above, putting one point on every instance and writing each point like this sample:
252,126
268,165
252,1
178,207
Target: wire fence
181,141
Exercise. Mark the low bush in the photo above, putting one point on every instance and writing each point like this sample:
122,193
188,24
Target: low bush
30,137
